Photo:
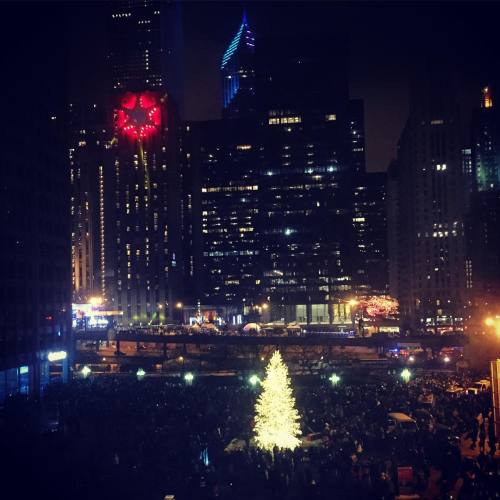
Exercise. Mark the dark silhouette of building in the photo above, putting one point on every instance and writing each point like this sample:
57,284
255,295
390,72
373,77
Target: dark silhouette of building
428,208
35,273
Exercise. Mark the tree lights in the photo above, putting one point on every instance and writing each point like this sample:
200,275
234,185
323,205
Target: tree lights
381,306
276,418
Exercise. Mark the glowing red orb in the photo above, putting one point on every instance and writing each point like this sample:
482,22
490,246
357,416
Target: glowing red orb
139,115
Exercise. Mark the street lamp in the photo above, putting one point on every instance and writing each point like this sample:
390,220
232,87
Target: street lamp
179,305
85,371
493,322
254,380
95,301
406,375
188,378
352,305
140,374
334,379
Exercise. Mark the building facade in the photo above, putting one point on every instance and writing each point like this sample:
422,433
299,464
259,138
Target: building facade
483,259
306,227
226,156
89,153
127,180
369,218
429,213
35,272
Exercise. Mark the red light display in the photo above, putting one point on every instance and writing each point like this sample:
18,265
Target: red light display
139,115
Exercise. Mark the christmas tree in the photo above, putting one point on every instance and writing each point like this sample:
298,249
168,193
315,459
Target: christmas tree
276,419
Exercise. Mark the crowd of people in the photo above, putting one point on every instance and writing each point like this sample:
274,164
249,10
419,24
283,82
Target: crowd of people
119,437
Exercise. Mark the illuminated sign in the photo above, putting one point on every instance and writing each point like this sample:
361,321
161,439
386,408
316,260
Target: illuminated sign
57,355
139,115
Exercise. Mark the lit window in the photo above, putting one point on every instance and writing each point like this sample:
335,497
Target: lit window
331,117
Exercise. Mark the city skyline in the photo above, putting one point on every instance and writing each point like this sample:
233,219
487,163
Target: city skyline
384,41
249,250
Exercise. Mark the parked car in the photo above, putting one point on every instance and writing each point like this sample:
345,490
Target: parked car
479,386
401,423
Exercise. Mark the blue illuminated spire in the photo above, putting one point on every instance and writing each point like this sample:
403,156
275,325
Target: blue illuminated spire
237,64
244,34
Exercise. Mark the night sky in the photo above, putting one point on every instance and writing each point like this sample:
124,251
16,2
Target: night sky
384,39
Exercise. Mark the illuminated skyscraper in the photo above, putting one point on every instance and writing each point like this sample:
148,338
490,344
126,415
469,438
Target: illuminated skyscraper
146,264
305,189
369,219
238,73
127,184
89,152
486,144
225,156
146,47
483,269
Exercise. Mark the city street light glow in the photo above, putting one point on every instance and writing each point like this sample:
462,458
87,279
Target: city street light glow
254,380
189,377
95,301
446,359
178,305
406,374
411,359
140,373
57,355
334,379
493,322
85,371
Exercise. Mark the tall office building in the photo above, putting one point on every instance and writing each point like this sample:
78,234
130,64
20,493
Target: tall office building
486,144
369,212
393,231
127,185
369,217
35,273
357,135
238,74
483,269
225,156
89,150
146,47
429,216
221,188
306,227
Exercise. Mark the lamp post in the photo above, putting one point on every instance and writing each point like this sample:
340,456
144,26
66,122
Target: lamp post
179,306
352,305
